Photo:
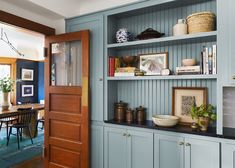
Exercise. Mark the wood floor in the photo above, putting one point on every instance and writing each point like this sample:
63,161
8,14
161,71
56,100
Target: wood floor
34,163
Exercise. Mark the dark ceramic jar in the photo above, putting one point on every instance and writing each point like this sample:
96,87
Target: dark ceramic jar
140,114
120,111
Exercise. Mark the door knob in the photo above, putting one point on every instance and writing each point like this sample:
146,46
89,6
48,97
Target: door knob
180,143
187,144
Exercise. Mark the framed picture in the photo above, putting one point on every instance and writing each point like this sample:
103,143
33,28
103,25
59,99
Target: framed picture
153,64
27,90
184,98
27,74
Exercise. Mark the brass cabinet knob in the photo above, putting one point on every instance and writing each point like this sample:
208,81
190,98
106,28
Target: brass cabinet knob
124,134
187,144
181,143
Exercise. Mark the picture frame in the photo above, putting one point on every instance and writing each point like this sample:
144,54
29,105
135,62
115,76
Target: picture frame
27,74
27,90
184,98
153,64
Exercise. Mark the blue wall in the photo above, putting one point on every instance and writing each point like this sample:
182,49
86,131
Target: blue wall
40,81
27,65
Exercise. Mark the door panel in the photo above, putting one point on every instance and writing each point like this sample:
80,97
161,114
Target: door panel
140,149
115,148
66,101
231,40
169,151
201,153
228,155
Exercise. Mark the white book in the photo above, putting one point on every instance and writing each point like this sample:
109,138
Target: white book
204,60
214,57
207,61
124,74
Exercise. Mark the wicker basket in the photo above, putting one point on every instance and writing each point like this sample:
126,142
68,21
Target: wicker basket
201,22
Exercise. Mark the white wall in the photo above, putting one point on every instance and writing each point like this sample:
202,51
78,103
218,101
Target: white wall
58,24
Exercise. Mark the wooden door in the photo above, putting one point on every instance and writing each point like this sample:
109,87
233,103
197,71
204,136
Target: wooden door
66,100
169,151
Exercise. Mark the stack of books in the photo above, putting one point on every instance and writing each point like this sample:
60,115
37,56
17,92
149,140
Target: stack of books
209,60
188,70
125,71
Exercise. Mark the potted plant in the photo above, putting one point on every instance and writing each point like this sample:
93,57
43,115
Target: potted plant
6,86
204,114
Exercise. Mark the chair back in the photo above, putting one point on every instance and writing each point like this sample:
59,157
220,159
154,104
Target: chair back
25,116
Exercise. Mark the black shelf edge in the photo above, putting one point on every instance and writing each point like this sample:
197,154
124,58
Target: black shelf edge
229,133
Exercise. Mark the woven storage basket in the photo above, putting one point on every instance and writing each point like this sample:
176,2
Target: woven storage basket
201,22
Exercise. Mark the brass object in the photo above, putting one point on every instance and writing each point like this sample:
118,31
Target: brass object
139,73
129,115
140,115
120,111
194,126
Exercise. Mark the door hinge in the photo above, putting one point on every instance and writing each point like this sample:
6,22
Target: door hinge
45,52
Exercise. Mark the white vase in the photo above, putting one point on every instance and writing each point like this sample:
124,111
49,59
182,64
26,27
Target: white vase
6,101
180,28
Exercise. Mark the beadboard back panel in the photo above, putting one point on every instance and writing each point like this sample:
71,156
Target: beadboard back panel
155,95
176,50
160,17
229,107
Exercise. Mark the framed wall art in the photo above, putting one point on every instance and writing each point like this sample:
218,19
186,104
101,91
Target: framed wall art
27,74
184,98
153,64
27,90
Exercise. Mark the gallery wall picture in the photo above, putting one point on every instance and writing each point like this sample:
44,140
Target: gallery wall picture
27,74
27,90
183,100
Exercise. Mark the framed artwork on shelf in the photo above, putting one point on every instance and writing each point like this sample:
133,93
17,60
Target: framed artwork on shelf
153,64
183,100
27,74
27,90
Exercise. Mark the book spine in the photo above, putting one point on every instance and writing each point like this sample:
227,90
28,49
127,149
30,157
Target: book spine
204,60
210,60
214,55
111,66
201,64
117,63
207,61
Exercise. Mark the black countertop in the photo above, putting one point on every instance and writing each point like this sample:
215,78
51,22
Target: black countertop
228,133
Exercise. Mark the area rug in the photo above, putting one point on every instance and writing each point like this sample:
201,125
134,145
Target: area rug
11,155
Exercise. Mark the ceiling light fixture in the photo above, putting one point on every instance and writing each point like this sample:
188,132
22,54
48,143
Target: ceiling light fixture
5,39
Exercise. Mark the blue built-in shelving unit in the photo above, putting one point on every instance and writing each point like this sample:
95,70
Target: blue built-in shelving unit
155,92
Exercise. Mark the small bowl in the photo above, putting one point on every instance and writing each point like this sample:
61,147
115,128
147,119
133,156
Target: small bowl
189,62
165,120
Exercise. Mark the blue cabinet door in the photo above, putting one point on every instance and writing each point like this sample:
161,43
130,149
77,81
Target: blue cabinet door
168,151
232,40
228,155
97,146
95,24
115,148
139,149
201,154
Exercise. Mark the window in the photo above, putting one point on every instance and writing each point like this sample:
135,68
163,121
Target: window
5,70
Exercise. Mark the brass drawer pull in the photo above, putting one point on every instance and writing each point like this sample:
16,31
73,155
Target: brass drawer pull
181,143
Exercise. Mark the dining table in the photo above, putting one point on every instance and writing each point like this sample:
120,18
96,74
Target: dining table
15,110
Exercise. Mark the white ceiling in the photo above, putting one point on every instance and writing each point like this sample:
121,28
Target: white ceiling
57,9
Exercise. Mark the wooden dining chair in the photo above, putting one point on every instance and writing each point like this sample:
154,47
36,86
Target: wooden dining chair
7,121
24,119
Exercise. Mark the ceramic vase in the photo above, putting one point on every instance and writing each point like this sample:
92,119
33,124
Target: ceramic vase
6,101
